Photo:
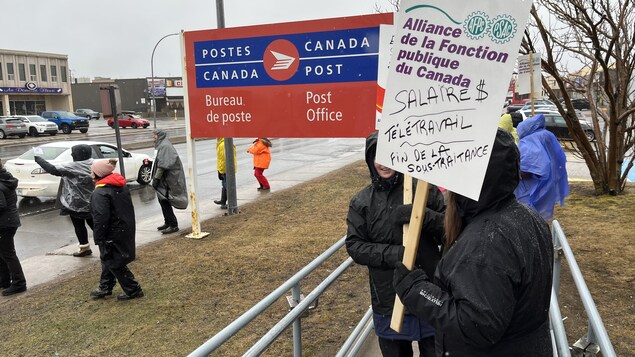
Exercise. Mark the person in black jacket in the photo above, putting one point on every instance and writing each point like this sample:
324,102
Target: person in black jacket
114,231
374,238
11,275
491,291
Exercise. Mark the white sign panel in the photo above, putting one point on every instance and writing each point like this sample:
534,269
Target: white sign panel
448,78
523,85
386,40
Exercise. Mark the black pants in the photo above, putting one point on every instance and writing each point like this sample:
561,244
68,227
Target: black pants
110,276
10,268
400,348
80,228
168,213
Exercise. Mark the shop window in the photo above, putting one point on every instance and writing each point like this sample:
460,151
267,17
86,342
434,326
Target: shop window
64,76
43,73
22,72
53,73
32,73
10,72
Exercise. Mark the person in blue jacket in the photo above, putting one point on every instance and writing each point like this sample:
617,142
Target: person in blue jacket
543,169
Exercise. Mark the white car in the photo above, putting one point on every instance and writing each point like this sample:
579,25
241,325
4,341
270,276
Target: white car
33,181
36,125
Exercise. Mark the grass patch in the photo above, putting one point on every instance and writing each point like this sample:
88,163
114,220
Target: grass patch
194,288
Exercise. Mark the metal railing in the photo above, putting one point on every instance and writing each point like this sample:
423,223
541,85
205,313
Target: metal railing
597,335
595,340
293,316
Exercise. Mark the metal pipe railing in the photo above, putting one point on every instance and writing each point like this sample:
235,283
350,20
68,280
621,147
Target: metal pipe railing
213,343
358,336
597,328
559,333
294,314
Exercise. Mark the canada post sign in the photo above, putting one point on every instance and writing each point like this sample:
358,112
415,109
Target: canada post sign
302,79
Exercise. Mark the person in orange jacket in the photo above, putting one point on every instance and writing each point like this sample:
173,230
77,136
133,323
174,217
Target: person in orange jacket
262,159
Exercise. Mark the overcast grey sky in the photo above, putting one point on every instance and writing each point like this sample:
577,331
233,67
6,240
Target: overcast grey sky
115,38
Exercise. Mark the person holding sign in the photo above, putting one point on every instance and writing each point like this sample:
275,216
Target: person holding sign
374,238
491,291
543,168
222,171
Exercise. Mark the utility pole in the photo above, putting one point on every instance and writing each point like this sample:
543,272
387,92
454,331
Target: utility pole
230,169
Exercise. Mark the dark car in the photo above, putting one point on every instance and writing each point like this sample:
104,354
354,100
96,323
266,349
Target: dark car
580,103
555,123
88,114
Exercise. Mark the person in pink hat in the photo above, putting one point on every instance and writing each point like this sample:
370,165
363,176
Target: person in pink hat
114,231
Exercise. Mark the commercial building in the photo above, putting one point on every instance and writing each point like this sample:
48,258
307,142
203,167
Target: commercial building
31,82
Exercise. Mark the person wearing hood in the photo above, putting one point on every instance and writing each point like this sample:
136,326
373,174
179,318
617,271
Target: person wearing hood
11,275
506,123
490,293
374,238
262,159
114,232
168,181
222,171
543,168
75,189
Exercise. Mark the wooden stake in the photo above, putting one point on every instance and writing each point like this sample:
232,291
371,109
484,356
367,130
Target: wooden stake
411,244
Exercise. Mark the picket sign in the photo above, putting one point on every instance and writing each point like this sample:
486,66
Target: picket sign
411,243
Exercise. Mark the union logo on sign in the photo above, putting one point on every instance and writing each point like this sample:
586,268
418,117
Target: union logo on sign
281,60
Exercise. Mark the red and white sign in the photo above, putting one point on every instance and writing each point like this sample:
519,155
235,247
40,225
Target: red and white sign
300,79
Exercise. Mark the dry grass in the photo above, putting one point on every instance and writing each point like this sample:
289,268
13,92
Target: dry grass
194,288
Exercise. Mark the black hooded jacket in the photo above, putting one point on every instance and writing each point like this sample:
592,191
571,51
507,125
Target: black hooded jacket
375,234
9,217
492,289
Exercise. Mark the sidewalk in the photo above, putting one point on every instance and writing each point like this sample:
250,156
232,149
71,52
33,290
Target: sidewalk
60,262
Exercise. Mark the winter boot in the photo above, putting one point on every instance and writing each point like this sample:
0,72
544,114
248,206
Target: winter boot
84,250
223,199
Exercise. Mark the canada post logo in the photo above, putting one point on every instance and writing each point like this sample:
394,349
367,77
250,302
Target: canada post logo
307,58
281,60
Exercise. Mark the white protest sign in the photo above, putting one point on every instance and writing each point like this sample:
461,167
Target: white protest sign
523,85
386,40
448,78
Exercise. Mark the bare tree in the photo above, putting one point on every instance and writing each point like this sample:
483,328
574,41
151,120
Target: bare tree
597,36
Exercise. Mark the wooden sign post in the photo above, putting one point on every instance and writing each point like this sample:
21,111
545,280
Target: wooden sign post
448,76
411,243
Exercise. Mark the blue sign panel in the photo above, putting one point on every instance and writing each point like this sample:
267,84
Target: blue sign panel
308,58
25,90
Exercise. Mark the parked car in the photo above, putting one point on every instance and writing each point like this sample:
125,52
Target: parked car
35,182
37,125
67,121
555,123
88,113
580,103
539,104
129,121
10,126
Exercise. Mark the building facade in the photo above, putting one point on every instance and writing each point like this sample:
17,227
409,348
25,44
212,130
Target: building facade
31,82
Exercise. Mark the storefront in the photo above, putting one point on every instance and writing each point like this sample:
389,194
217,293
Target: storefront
31,82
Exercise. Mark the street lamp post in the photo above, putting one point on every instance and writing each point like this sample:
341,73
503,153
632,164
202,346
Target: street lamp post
153,103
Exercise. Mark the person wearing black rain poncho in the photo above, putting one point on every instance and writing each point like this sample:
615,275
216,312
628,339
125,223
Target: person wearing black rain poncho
11,274
374,238
76,186
168,181
491,290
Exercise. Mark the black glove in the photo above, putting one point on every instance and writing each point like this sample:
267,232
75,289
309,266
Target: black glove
400,215
155,183
403,279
